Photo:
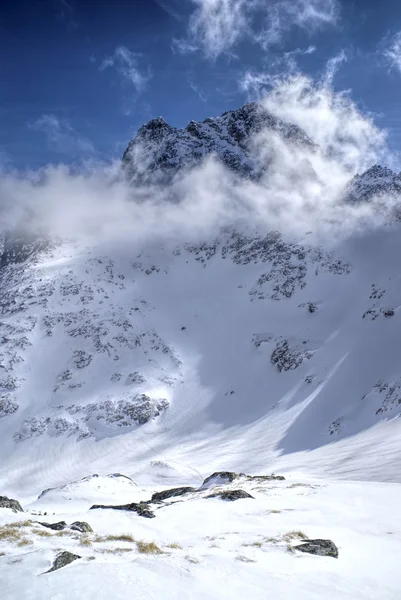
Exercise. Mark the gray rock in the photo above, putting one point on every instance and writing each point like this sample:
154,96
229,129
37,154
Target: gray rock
62,560
158,496
231,495
55,526
81,526
319,548
142,509
10,503
229,475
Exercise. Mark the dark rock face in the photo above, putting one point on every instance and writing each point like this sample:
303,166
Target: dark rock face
288,358
142,509
159,496
63,559
319,548
81,526
55,526
231,495
228,475
159,151
10,503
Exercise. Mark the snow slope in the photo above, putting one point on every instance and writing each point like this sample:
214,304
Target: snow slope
165,362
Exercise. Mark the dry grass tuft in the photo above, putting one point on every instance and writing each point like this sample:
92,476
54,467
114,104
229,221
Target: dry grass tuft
192,560
294,535
290,549
275,512
9,534
85,541
64,533
297,485
24,542
124,537
113,551
42,532
174,546
244,559
19,524
254,544
148,548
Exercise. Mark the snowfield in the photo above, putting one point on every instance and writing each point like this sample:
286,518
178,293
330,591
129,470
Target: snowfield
210,548
131,367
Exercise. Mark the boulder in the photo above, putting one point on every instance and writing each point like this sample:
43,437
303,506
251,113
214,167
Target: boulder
59,526
10,503
142,509
164,495
218,478
81,526
319,548
231,495
63,559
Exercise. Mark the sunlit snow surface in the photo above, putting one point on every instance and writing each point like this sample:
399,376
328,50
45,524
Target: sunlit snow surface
285,362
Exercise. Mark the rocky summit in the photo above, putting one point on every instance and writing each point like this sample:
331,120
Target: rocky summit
159,151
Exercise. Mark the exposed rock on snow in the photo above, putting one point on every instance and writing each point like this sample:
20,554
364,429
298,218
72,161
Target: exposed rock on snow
231,495
319,548
141,508
164,495
218,478
10,503
287,357
81,526
62,560
55,526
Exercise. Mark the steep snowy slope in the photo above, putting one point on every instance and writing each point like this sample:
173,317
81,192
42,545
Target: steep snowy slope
248,349
248,345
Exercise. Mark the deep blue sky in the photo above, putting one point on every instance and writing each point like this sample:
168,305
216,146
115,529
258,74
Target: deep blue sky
59,100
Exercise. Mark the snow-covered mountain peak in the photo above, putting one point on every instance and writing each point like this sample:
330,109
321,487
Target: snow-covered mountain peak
159,151
376,181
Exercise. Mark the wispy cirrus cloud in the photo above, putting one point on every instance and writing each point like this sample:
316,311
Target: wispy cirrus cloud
61,136
127,64
392,51
309,15
217,26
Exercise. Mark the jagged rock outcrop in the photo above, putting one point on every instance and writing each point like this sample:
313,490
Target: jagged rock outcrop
159,150
375,182
10,503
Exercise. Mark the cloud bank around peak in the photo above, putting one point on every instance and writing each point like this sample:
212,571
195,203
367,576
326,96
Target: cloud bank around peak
216,27
301,190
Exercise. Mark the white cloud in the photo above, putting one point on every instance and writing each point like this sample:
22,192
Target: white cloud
393,52
309,15
217,26
62,136
301,190
127,64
